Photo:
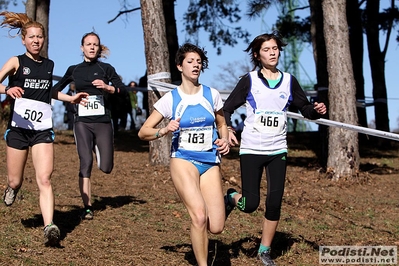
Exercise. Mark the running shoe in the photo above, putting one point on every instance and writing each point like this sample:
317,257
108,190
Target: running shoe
10,195
51,235
87,214
228,206
266,259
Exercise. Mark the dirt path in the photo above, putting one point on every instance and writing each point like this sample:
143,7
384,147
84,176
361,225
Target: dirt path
139,219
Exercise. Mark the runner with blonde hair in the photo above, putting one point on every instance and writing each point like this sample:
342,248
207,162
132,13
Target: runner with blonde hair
30,125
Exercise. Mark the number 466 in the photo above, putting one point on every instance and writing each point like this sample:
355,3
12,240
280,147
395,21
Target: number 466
269,121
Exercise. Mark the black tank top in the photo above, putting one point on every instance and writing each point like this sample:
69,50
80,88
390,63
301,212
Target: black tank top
35,78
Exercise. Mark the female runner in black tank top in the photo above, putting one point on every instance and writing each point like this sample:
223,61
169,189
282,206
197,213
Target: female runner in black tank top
30,125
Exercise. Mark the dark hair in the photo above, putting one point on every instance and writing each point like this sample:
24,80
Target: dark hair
254,47
191,48
103,51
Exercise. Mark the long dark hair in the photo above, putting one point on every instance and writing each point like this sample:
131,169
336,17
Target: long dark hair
254,47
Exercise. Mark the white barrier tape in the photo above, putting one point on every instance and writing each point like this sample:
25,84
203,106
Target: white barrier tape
364,130
160,86
165,87
160,75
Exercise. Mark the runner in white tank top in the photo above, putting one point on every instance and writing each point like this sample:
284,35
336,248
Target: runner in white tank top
266,93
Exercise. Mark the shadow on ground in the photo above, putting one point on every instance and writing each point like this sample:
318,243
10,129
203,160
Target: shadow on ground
69,220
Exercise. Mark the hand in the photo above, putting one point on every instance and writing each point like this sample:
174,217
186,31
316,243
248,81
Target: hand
80,98
320,108
224,146
100,84
15,92
173,125
232,139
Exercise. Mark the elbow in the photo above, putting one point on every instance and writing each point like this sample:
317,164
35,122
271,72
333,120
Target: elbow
141,135
54,96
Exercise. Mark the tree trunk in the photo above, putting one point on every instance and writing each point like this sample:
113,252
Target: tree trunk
171,36
320,57
157,58
343,155
39,11
354,17
377,66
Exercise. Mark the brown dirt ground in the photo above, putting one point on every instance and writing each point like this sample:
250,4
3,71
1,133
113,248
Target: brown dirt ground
139,219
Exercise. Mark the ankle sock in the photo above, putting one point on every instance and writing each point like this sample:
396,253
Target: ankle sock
263,248
230,197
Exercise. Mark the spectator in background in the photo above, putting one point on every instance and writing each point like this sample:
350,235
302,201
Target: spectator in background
240,126
143,84
120,107
70,110
134,104
237,122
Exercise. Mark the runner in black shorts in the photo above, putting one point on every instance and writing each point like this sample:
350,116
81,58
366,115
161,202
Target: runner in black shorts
93,128
30,125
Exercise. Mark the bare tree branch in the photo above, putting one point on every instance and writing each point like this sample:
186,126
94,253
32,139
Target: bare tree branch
123,12
390,23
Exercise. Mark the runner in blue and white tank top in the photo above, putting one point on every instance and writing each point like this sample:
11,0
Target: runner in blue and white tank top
197,134
199,138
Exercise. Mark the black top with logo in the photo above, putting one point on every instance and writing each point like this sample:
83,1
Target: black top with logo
83,75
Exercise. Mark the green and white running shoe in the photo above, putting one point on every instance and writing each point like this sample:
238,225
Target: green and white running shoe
87,214
266,259
51,235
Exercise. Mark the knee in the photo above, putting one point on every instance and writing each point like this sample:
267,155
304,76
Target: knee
273,215
199,219
216,228
107,170
14,183
273,207
44,182
250,209
247,205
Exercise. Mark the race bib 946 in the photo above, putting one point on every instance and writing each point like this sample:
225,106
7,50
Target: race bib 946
94,106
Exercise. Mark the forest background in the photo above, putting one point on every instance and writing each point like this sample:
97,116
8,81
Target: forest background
69,20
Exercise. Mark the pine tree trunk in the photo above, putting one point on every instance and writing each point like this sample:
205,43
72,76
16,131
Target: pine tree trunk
343,156
377,66
157,57
39,11
354,17
171,37
320,57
